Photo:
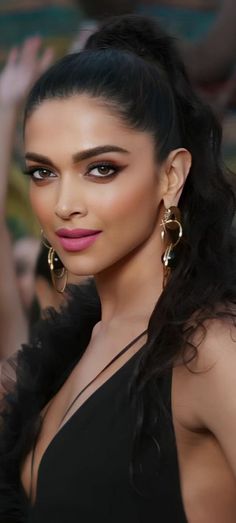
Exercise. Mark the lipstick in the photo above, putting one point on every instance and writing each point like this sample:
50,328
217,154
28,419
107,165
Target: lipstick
75,240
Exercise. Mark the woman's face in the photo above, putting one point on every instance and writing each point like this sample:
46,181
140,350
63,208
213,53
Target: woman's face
95,187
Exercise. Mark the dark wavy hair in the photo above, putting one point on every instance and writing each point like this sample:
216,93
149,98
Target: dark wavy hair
133,66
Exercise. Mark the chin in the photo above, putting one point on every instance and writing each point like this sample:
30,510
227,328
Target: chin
90,266
79,270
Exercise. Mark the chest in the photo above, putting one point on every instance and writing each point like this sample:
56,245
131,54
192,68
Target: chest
90,468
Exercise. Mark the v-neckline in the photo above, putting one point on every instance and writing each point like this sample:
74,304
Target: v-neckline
75,414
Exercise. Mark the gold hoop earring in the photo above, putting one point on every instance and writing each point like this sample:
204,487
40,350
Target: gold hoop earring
172,228
58,271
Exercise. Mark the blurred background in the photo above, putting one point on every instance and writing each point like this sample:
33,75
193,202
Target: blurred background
59,24
34,33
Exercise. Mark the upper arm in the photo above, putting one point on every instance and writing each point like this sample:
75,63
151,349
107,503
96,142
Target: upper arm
205,393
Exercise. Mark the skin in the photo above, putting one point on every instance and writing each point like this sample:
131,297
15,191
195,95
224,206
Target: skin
56,203
126,262
204,407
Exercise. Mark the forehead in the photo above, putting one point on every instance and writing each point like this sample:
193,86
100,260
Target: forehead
80,122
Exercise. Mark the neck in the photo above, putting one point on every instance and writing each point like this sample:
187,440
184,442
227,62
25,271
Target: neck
130,289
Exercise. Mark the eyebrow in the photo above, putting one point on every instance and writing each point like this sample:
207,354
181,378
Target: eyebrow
80,156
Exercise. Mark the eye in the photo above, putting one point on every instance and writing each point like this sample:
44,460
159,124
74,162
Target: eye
102,170
39,173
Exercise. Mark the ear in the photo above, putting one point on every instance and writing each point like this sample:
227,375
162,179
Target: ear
176,169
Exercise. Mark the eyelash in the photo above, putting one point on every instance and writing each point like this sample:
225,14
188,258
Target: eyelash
30,171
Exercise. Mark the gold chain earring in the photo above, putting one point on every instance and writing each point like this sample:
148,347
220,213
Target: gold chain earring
172,229
58,271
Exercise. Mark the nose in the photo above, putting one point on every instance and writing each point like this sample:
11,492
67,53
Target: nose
69,201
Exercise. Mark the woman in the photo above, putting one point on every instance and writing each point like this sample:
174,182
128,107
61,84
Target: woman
135,381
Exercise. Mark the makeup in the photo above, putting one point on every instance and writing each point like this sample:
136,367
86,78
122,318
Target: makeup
75,240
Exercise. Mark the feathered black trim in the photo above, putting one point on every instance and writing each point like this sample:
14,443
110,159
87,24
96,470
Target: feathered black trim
41,368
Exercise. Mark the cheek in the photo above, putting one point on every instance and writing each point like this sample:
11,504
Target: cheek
41,202
130,204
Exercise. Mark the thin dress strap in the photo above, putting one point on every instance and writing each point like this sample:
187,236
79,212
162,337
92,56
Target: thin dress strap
123,351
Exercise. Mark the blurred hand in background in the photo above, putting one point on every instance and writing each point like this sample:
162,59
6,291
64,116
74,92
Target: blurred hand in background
23,67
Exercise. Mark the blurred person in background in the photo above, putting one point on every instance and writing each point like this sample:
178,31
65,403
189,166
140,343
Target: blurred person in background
211,60
209,56
207,41
17,262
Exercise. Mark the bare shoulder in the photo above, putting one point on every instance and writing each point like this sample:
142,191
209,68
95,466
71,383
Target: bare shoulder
204,391
202,384
214,341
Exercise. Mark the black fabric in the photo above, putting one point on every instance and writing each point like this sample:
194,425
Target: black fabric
30,379
85,476
87,473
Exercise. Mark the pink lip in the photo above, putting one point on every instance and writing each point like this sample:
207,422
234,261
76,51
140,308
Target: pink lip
77,239
75,233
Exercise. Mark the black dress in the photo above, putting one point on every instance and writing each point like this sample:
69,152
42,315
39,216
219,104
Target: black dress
85,475
91,470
